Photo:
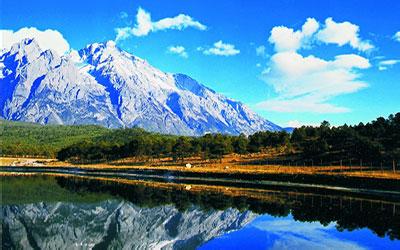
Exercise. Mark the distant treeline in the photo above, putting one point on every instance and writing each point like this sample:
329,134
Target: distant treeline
136,142
373,142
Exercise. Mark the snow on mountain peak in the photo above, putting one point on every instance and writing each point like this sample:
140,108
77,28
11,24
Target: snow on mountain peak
110,43
28,48
102,84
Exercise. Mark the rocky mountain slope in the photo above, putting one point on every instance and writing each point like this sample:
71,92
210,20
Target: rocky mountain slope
104,85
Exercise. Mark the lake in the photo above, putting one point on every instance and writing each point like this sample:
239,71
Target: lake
81,212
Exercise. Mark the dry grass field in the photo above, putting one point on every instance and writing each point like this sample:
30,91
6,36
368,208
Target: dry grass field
232,164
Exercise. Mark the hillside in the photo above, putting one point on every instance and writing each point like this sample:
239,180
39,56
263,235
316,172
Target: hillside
21,138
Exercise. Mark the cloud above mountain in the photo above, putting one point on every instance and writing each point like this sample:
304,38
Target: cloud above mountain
220,48
342,34
178,50
305,82
144,25
47,39
286,39
385,64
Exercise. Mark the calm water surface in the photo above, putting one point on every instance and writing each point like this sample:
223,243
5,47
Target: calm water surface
45,212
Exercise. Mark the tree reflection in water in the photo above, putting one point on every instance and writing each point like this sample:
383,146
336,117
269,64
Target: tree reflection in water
349,213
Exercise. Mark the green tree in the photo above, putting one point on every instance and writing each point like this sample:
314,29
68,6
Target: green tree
181,149
240,143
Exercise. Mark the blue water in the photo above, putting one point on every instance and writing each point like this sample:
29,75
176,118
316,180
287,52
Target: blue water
37,211
268,232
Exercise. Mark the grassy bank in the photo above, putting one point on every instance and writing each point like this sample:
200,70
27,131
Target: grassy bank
235,168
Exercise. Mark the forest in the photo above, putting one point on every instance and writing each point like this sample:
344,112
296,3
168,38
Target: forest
29,139
371,143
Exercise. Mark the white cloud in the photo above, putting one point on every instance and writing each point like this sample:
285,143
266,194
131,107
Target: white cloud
179,22
304,84
144,25
286,39
298,124
342,34
123,15
294,124
293,75
378,57
382,68
389,62
178,50
308,83
123,33
47,39
349,61
300,105
260,51
385,64
222,49
397,36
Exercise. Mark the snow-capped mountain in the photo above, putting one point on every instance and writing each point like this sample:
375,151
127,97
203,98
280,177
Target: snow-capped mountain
104,85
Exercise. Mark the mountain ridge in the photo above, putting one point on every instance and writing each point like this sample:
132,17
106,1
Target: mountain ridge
104,85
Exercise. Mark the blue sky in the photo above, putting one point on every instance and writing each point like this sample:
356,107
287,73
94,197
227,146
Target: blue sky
293,62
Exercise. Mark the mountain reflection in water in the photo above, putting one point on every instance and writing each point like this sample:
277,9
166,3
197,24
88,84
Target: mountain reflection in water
46,212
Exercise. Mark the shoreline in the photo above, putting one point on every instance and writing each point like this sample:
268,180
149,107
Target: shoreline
234,174
225,188
225,167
